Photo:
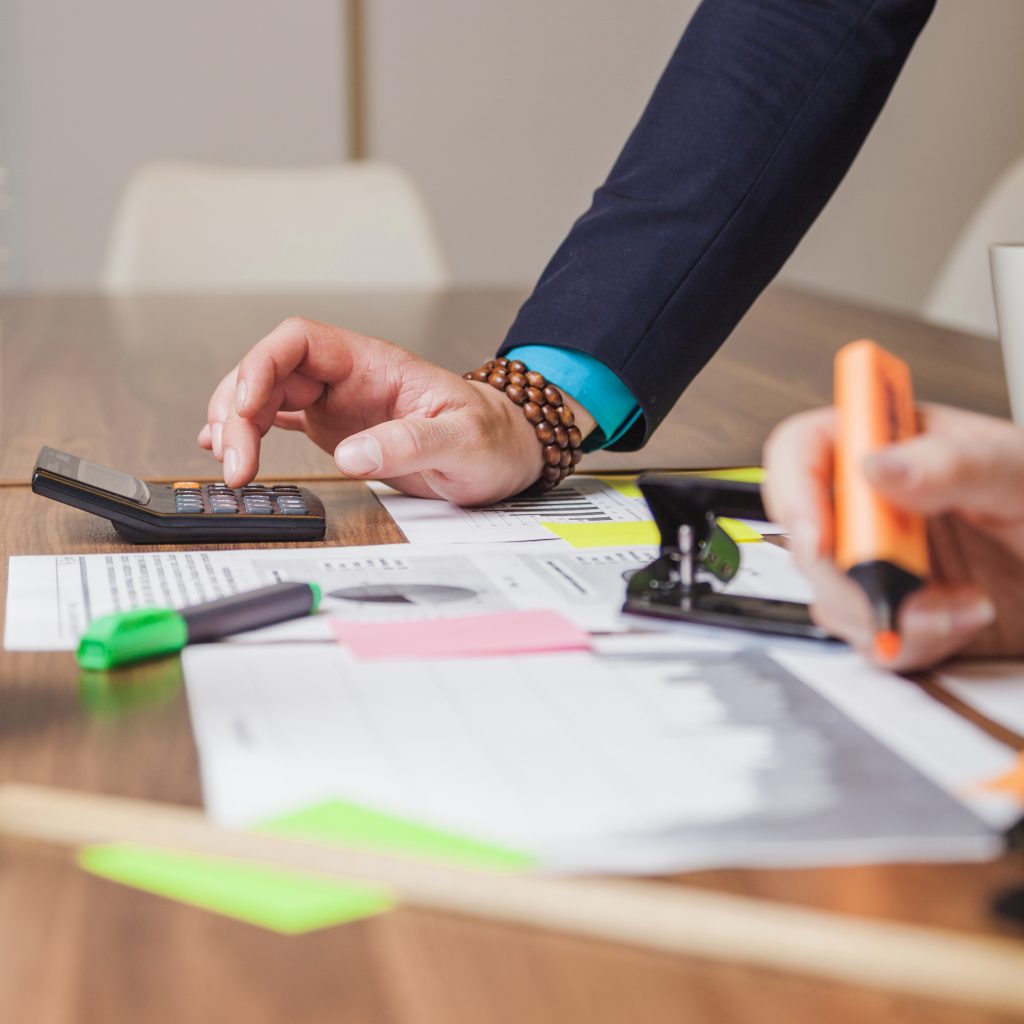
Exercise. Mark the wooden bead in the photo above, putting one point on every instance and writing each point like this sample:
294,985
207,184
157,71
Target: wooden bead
543,406
545,432
532,411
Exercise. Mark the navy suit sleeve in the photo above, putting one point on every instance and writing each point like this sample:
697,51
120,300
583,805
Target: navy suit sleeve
761,110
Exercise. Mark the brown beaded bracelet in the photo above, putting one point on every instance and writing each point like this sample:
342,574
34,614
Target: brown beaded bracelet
544,407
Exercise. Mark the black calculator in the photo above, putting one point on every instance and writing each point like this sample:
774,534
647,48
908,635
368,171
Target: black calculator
184,512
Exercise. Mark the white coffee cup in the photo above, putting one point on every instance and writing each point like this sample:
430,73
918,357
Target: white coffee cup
1008,285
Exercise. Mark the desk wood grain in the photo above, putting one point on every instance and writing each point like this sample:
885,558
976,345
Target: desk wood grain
125,381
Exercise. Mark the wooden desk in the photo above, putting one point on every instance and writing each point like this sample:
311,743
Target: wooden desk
126,382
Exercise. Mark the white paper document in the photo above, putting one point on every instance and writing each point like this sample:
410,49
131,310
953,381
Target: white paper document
994,688
581,499
694,756
51,599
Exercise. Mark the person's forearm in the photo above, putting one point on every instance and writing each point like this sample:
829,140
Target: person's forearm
760,112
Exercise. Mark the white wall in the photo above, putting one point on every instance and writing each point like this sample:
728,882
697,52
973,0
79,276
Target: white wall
954,122
92,89
508,114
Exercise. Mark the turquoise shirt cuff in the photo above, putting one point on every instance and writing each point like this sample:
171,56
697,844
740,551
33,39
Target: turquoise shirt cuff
591,383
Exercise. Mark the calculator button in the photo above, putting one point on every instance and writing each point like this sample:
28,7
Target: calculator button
185,485
286,489
224,509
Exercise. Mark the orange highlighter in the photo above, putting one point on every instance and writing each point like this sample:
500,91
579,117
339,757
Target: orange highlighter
882,548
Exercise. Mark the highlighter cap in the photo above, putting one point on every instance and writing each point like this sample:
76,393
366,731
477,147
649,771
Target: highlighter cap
123,637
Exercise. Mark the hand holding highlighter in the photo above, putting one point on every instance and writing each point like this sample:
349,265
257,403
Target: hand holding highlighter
884,549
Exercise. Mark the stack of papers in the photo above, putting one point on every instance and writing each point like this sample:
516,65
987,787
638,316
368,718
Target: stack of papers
594,744
653,755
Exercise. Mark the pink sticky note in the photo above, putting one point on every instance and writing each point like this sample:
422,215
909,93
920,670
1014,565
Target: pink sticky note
526,632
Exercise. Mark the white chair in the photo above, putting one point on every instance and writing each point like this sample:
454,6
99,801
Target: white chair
961,296
193,227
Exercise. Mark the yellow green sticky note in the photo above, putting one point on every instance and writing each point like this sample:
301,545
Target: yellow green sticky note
745,474
289,902
740,532
606,535
625,485
336,821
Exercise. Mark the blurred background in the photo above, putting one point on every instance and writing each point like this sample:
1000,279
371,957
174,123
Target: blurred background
506,116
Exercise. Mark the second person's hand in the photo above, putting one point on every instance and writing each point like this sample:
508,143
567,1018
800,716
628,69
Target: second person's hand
383,413
965,472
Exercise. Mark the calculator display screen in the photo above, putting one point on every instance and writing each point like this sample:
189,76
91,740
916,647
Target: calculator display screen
93,475
111,480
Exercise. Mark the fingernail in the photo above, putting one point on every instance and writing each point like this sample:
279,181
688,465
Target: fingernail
957,617
359,456
230,463
241,396
974,614
887,467
217,430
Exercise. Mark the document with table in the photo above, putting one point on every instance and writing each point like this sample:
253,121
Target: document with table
51,598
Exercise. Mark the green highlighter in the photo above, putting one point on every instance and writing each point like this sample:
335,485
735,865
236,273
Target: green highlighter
124,637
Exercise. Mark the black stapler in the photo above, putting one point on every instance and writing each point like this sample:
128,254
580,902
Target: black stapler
693,545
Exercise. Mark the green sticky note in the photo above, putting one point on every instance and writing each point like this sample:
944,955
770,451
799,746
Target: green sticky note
625,485
336,821
742,533
607,535
285,901
745,474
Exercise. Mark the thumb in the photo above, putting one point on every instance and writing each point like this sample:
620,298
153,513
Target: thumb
932,474
398,448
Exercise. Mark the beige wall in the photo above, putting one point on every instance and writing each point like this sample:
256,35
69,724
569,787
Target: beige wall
954,122
92,89
511,114
508,114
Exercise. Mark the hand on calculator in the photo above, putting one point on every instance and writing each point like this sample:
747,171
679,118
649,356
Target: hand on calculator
384,413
